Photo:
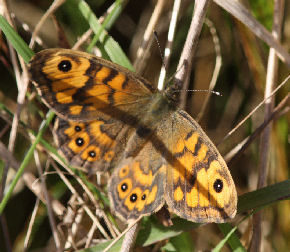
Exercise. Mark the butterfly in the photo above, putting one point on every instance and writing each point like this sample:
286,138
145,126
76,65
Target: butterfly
111,118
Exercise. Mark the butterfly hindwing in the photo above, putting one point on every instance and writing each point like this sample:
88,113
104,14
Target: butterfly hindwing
199,186
94,145
136,187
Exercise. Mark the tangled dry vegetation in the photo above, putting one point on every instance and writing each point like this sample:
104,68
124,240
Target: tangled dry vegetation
241,52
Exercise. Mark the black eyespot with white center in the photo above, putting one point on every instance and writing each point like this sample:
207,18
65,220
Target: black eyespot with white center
124,187
218,185
78,128
92,154
80,141
143,197
64,66
133,197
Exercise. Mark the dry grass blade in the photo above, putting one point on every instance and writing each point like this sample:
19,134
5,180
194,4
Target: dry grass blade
143,50
264,148
31,222
281,109
134,226
80,200
242,14
52,221
79,209
22,83
184,65
218,65
130,238
169,43
53,7
256,108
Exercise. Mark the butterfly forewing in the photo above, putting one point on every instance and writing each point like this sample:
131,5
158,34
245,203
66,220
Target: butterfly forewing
79,86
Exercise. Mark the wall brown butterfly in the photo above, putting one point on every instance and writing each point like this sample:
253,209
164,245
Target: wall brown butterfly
109,117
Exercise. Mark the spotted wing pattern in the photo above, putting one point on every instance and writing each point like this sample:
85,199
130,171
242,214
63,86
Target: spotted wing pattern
136,187
178,165
199,186
111,118
94,145
82,87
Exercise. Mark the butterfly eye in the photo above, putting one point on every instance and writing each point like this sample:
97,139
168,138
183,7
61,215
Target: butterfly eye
218,185
78,128
92,154
79,141
133,197
124,187
64,66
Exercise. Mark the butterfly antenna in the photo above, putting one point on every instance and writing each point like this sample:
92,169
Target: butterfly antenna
159,47
199,90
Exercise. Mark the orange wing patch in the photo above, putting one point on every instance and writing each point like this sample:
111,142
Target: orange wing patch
106,113
141,177
79,86
134,192
199,186
88,145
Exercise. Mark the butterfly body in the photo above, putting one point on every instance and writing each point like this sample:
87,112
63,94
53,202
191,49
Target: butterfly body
110,118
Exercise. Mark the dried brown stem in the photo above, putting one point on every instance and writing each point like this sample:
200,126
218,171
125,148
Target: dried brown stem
51,217
241,13
184,65
53,7
279,110
265,137
256,108
143,50
130,238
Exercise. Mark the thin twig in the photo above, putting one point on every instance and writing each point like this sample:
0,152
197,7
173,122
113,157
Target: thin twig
29,179
88,211
51,218
169,43
234,154
131,225
188,51
264,149
53,7
90,235
30,225
255,109
82,39
114,232
22,86
241,13
147,38
130,238
217,67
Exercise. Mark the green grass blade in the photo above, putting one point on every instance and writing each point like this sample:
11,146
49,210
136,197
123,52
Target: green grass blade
153,232
25,161
111,47
230,237
107,23
264,196
16,41
182,242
